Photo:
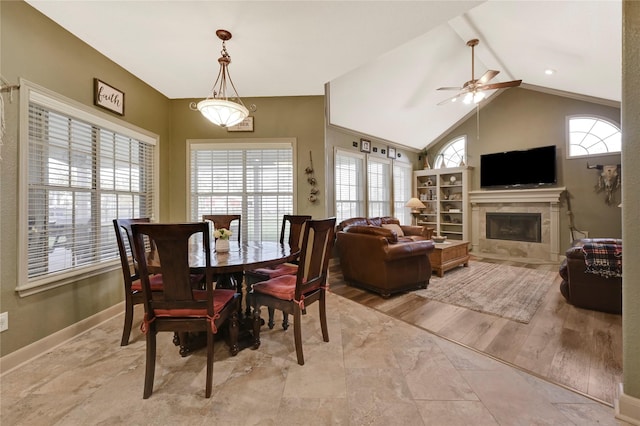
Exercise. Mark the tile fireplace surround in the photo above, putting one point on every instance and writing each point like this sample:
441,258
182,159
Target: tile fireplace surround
545,201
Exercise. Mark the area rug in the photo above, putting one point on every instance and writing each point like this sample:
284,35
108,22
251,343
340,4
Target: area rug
511,292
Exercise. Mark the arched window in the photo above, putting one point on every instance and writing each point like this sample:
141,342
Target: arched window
589,136
452,154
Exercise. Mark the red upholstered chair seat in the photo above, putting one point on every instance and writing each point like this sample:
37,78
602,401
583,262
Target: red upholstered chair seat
154,280
221,298
276,271
282,287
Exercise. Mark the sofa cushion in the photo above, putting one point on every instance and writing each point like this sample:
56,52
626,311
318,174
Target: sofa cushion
394,227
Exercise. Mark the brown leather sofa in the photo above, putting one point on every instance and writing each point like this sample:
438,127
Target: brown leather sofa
590,290
376,258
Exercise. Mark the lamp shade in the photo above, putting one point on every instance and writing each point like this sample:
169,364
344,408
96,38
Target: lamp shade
415,204
222,112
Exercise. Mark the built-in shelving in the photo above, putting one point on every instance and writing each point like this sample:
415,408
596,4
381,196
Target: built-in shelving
445,194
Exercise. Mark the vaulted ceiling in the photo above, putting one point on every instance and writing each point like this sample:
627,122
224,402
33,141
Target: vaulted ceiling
384,60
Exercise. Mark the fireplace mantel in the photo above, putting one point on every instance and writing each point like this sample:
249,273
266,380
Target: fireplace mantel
544,200
534,195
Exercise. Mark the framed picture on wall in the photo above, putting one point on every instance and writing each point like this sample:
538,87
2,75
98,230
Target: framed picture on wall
108,97
365,145
391,152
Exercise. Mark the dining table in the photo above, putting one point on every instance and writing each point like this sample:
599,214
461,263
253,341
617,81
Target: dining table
228,267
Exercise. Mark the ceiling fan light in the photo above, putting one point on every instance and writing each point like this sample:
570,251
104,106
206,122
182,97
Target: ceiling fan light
478,96
223,113
467,98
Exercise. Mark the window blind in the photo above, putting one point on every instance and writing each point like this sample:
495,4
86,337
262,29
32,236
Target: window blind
80,176
349,185
379,187
255,180
402,177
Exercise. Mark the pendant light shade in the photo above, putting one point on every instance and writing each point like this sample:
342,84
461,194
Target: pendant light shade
219,108
222,112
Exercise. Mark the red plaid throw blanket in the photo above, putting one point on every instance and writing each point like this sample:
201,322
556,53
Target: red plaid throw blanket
603,259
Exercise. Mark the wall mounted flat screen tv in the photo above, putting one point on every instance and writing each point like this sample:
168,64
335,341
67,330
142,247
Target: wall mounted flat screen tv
528,168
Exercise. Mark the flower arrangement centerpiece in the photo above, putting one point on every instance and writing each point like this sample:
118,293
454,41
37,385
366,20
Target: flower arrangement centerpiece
222,239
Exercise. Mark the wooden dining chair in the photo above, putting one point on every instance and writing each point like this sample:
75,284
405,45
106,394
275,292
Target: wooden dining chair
131,278
181,308
292,225
231,222
292,294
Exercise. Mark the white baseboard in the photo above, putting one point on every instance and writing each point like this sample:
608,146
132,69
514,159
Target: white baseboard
23,355
627,407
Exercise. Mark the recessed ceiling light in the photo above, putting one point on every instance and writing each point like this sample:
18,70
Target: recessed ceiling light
549,71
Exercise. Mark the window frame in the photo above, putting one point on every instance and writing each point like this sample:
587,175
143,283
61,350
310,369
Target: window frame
243,144
439,159
609,121
362,206
31,92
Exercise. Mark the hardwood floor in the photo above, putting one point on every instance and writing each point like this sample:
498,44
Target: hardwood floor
576,348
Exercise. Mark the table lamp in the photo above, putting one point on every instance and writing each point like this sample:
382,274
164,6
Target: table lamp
415,206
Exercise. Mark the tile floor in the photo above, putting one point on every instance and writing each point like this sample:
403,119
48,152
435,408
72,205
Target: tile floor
375,371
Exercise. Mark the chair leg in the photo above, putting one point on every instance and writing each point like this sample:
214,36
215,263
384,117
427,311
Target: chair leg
209,385
128,322
323,318
271,314
256,327
297,332
150,364
285,320
234,331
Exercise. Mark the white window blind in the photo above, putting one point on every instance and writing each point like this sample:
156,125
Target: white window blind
251,179
379,187
349,185
402,176
80,175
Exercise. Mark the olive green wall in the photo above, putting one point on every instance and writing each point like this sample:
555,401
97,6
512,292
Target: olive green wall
300,117
35,48
518,119
338,137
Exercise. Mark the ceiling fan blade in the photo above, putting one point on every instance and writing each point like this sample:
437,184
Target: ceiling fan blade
487,76
449,100
506,84
449,88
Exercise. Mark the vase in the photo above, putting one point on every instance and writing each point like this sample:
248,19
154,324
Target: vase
222,246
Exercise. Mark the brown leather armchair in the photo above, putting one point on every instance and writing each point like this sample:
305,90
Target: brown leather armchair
376,259
590,290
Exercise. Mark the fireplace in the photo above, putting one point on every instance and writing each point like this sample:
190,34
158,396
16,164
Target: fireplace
514,226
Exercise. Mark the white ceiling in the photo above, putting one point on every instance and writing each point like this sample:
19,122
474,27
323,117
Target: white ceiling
384,59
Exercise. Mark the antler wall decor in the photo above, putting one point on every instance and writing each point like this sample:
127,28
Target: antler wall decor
609,180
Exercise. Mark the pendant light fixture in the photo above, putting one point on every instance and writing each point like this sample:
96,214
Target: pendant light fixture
218,107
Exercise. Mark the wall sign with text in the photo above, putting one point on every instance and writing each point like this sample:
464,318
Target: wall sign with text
108,97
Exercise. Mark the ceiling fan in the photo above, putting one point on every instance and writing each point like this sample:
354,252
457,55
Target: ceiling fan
473,90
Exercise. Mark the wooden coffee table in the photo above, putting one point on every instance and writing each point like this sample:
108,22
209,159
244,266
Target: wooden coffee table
448,255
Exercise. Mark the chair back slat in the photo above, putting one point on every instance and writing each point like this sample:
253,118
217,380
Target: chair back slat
295,225
124,238
315,252
232,222
171,243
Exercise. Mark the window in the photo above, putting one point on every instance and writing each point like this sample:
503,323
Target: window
452,154
379,187
81,172
254,179
592,136
402,178
349,181
372,193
